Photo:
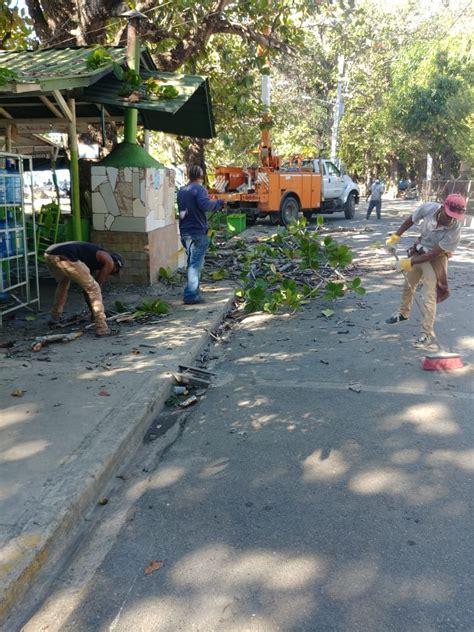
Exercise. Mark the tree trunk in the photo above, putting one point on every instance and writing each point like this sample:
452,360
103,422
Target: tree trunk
194,154
393,188
64,23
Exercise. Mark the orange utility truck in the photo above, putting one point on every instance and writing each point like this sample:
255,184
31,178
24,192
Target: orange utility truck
282,191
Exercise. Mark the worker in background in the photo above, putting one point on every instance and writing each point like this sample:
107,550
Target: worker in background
88,265
193,204
428,259
376,191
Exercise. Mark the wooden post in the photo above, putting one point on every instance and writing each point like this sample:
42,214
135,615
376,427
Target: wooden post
8,139
74,157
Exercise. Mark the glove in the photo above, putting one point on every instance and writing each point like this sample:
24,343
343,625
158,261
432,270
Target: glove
404,265
392,240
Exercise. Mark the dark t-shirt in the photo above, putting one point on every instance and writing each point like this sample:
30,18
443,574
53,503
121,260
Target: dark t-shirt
78,251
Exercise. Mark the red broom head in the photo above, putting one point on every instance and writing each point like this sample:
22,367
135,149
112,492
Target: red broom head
447,362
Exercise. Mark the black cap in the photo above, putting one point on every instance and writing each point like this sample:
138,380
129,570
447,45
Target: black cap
118,260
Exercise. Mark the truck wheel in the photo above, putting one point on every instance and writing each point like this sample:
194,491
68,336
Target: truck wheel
289,210
350,206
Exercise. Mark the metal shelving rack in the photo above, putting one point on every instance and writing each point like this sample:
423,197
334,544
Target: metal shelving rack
19,282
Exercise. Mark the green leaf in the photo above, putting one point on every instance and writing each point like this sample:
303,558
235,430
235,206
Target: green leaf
157,306
219,275
165,274
98,57
118,71
120,307
327,312
7,75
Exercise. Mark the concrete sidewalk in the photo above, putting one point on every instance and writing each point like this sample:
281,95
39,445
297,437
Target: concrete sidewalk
85,408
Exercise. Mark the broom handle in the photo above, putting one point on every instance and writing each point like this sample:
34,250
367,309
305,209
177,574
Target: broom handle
418,304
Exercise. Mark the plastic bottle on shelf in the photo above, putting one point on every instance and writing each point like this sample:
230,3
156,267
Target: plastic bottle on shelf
13,187
6,249
18,242
3,187
3,283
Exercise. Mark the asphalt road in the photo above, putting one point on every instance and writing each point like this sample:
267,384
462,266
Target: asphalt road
324,483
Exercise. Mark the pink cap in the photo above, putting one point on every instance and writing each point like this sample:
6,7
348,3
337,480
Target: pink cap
455,206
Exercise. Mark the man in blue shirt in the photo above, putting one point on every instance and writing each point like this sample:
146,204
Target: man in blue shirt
193,204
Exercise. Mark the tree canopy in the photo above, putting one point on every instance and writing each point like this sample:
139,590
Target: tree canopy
407,81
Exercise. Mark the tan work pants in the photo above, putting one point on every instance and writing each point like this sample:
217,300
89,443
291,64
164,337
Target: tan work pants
66,271
421,272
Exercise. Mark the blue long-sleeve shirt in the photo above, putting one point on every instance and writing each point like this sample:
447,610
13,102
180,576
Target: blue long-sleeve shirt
193,204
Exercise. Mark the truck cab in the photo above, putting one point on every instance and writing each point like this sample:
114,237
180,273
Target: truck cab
339,193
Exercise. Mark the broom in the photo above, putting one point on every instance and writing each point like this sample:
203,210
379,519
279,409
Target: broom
441,360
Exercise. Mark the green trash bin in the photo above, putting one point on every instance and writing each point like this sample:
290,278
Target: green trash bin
236,223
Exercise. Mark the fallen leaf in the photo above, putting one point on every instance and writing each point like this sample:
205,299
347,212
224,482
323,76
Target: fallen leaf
103,501
327,312
30,318
18,392
135,352
104,393
153,566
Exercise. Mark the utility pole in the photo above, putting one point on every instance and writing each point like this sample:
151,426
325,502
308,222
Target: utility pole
338,107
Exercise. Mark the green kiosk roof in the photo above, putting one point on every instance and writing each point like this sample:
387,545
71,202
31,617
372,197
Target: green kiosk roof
43,72
189,114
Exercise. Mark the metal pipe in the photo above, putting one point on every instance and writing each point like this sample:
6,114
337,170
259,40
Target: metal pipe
74,158
133,60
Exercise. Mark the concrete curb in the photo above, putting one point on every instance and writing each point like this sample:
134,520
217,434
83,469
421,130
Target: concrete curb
57,522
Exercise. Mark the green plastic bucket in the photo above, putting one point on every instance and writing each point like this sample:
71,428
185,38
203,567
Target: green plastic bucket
236,223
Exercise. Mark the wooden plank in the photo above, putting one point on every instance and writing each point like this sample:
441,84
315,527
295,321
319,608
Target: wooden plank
20,88
5,114
41,125
65,108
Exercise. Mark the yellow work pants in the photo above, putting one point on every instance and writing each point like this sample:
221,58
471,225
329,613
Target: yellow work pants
421,272
66,271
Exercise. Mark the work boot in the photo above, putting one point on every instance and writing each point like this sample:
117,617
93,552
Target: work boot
194,301
424,340
395,318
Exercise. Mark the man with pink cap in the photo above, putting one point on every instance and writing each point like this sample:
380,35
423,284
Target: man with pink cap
428,259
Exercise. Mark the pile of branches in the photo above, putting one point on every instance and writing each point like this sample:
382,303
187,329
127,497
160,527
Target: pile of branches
286,270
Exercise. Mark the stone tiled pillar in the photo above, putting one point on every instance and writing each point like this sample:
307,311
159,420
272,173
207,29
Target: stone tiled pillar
133,212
